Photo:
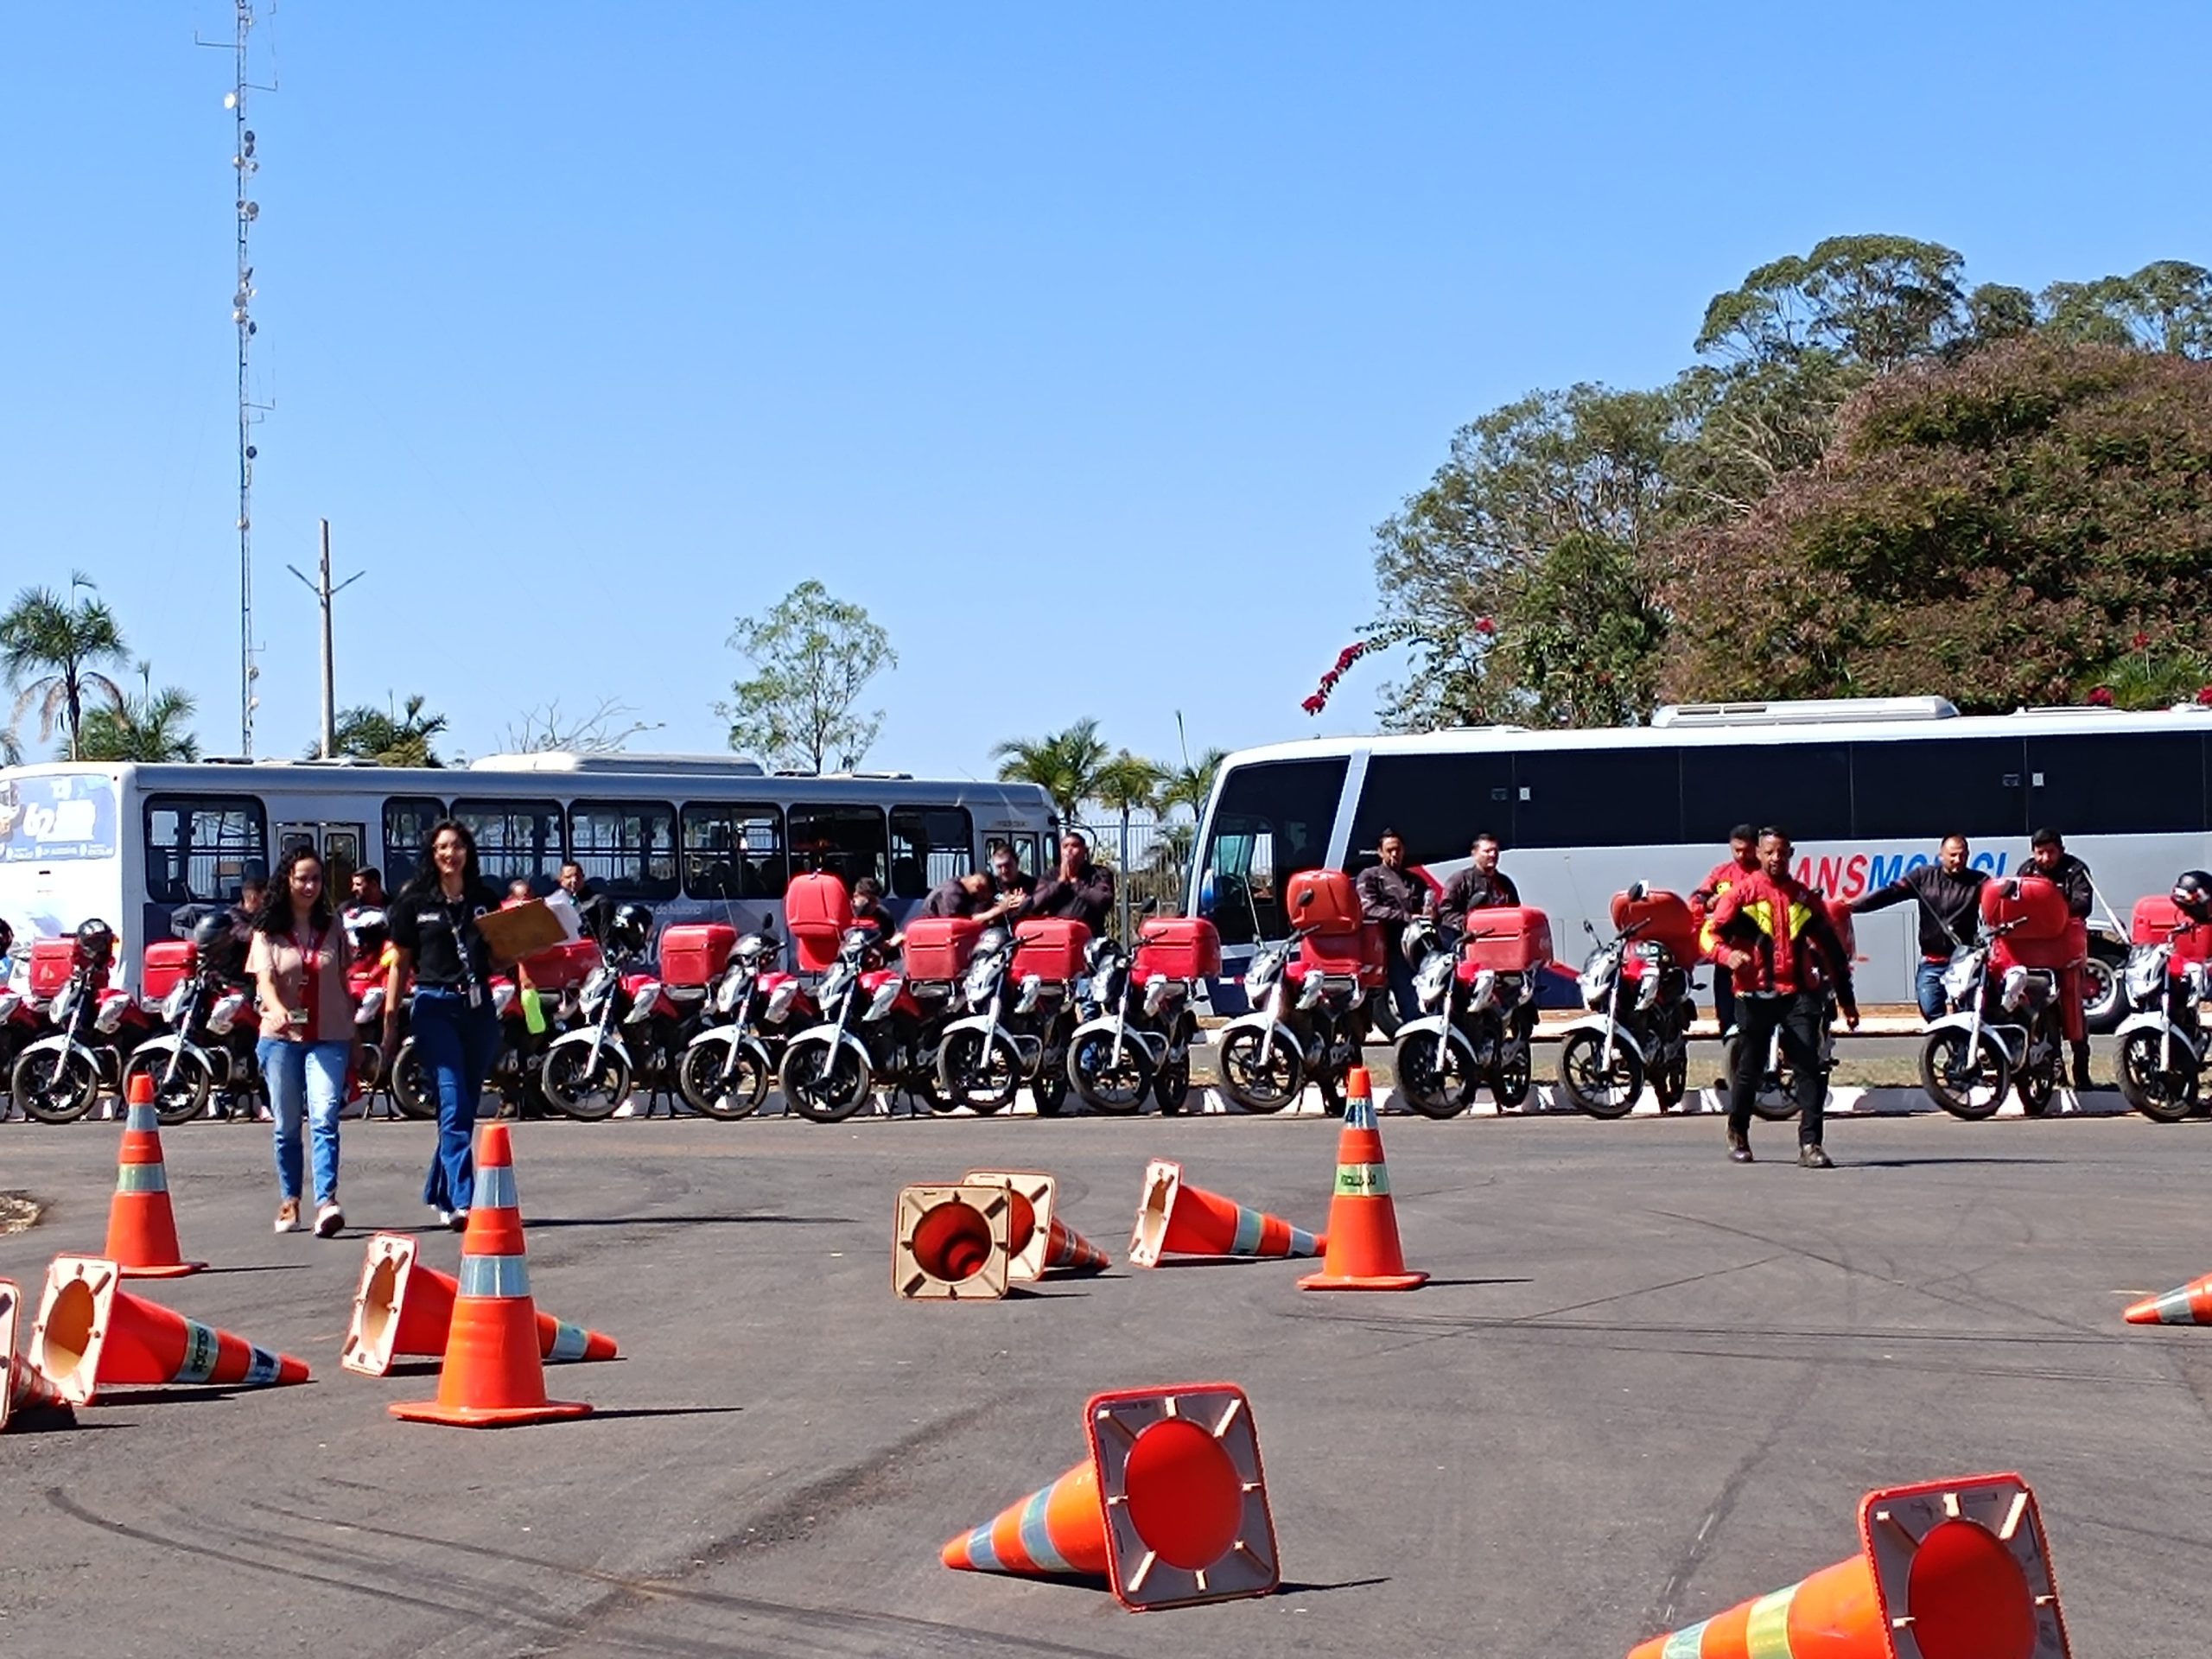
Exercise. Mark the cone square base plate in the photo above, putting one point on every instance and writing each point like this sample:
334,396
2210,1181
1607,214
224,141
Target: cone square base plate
429,1411
1995,1514
1039,1191
1185,1499
1375,1281
948,1243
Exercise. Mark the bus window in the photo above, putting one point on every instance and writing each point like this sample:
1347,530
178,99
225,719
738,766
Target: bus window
732,850
929,844
1438,803
627,847
1596,798
2118,784
848,842
1802,788
1923,791
407,822
199,847
1271,819
515,840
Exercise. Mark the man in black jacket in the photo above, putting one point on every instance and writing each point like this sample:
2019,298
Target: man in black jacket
1481,885
1079,891
2049,859
1950,896
1390,895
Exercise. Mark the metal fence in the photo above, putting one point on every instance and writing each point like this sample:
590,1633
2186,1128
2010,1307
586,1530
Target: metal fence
1150,857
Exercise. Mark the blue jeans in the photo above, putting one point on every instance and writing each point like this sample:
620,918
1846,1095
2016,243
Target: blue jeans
1402,994
1928,987
457,1045
306,1080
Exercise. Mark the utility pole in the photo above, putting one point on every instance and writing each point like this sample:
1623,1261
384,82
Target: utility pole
324,593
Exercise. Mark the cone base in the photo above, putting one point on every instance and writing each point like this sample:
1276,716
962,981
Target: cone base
429,1411
175,1270
1363,1281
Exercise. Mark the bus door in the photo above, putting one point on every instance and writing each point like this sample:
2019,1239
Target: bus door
338,846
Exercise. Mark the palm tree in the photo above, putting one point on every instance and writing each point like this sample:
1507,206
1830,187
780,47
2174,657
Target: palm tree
1190,783
1065,764
49,647
390,740
150,727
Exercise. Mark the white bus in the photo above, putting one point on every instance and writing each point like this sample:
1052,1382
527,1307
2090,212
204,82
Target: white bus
1867,789
697,838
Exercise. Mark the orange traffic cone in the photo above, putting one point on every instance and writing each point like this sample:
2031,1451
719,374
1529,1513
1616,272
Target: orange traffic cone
948,1243
141,1226
1038,1242
25,1391
403,1310
1364,1253
1953,1569
92,1332
492,1375
1175,1218
2190,1305
1169,1508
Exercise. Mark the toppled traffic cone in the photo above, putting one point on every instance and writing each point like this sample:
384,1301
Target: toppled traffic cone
403,1310
493,1375
1169,1508
1029,1221
1175,1218
91,1333
1364,1250
1953,1569
141,1226
1068,1251
948,1243
26,1394
2190,1305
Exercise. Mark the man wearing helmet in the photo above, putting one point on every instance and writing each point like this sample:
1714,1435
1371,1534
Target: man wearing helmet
2192,897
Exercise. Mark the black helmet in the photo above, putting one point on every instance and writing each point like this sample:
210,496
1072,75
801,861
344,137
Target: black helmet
630,927
211,930
6,938
95,941
2192,894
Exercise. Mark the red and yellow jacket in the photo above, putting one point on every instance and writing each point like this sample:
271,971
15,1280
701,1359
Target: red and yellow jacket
1788,945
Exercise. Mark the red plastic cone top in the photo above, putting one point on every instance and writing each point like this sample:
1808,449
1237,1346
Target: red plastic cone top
1364,1250
493,1375
1953,1569
403,1310
2190,1305
1176,1219
25,1392
140,1225
1169,1508
91,1334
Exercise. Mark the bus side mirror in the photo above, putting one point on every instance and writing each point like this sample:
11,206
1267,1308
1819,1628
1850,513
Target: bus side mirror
1639,891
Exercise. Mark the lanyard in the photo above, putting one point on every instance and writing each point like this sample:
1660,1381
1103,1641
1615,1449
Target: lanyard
460,943
311,980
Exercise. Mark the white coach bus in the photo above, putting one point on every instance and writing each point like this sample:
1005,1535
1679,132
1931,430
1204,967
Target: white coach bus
697,838
1867,788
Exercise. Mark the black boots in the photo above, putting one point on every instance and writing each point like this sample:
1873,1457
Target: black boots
2082,1066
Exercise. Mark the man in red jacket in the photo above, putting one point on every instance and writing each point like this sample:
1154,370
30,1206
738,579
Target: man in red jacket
1774,934
1743,859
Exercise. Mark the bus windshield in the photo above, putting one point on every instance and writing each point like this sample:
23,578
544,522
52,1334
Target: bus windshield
1271,819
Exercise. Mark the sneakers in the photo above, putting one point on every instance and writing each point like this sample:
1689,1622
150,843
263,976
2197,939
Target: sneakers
1739,1149
1812,1157
329,1219
288,1216
445,1216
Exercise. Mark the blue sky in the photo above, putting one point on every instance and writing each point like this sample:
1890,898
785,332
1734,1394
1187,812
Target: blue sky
591,327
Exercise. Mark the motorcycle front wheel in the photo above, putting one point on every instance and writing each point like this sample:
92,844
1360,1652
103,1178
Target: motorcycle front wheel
710,1081
55,1087
1258,1076
2165,1095
575,1088
1592,1086
822,1080
1433,1077
1105,1085
1971,1084
2037,1086
178,1098
1509,1084
980,1070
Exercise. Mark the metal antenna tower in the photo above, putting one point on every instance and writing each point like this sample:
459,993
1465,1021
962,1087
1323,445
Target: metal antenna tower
249,413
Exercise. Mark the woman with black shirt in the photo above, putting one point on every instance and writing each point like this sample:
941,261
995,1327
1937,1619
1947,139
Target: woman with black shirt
434,936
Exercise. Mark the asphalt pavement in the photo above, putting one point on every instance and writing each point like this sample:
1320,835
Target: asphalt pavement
1641,1385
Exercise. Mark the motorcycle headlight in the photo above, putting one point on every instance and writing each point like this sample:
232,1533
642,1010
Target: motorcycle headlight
879,1005
780,1002
10,1001
173,1004
1962,975
836,982
2016,988
226,1013
1260,977
503,998
372,1003
65,1001
1156,994
1647,988
1434,979
1594,982
110,1016
2198,977
2145,974
980,981
1484,992
731,992
641,1005
597,990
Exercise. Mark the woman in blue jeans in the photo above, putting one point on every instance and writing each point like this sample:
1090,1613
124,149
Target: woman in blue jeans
436,940
297,961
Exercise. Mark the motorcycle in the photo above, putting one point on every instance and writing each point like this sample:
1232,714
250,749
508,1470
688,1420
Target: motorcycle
57,1078
1309,1015
868,1029
208,1036
1478,1010
727,1069
2004,1033
1135,1024
1638,986
2162,1043
20,1020
626,1017
1776,1098
1019,992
